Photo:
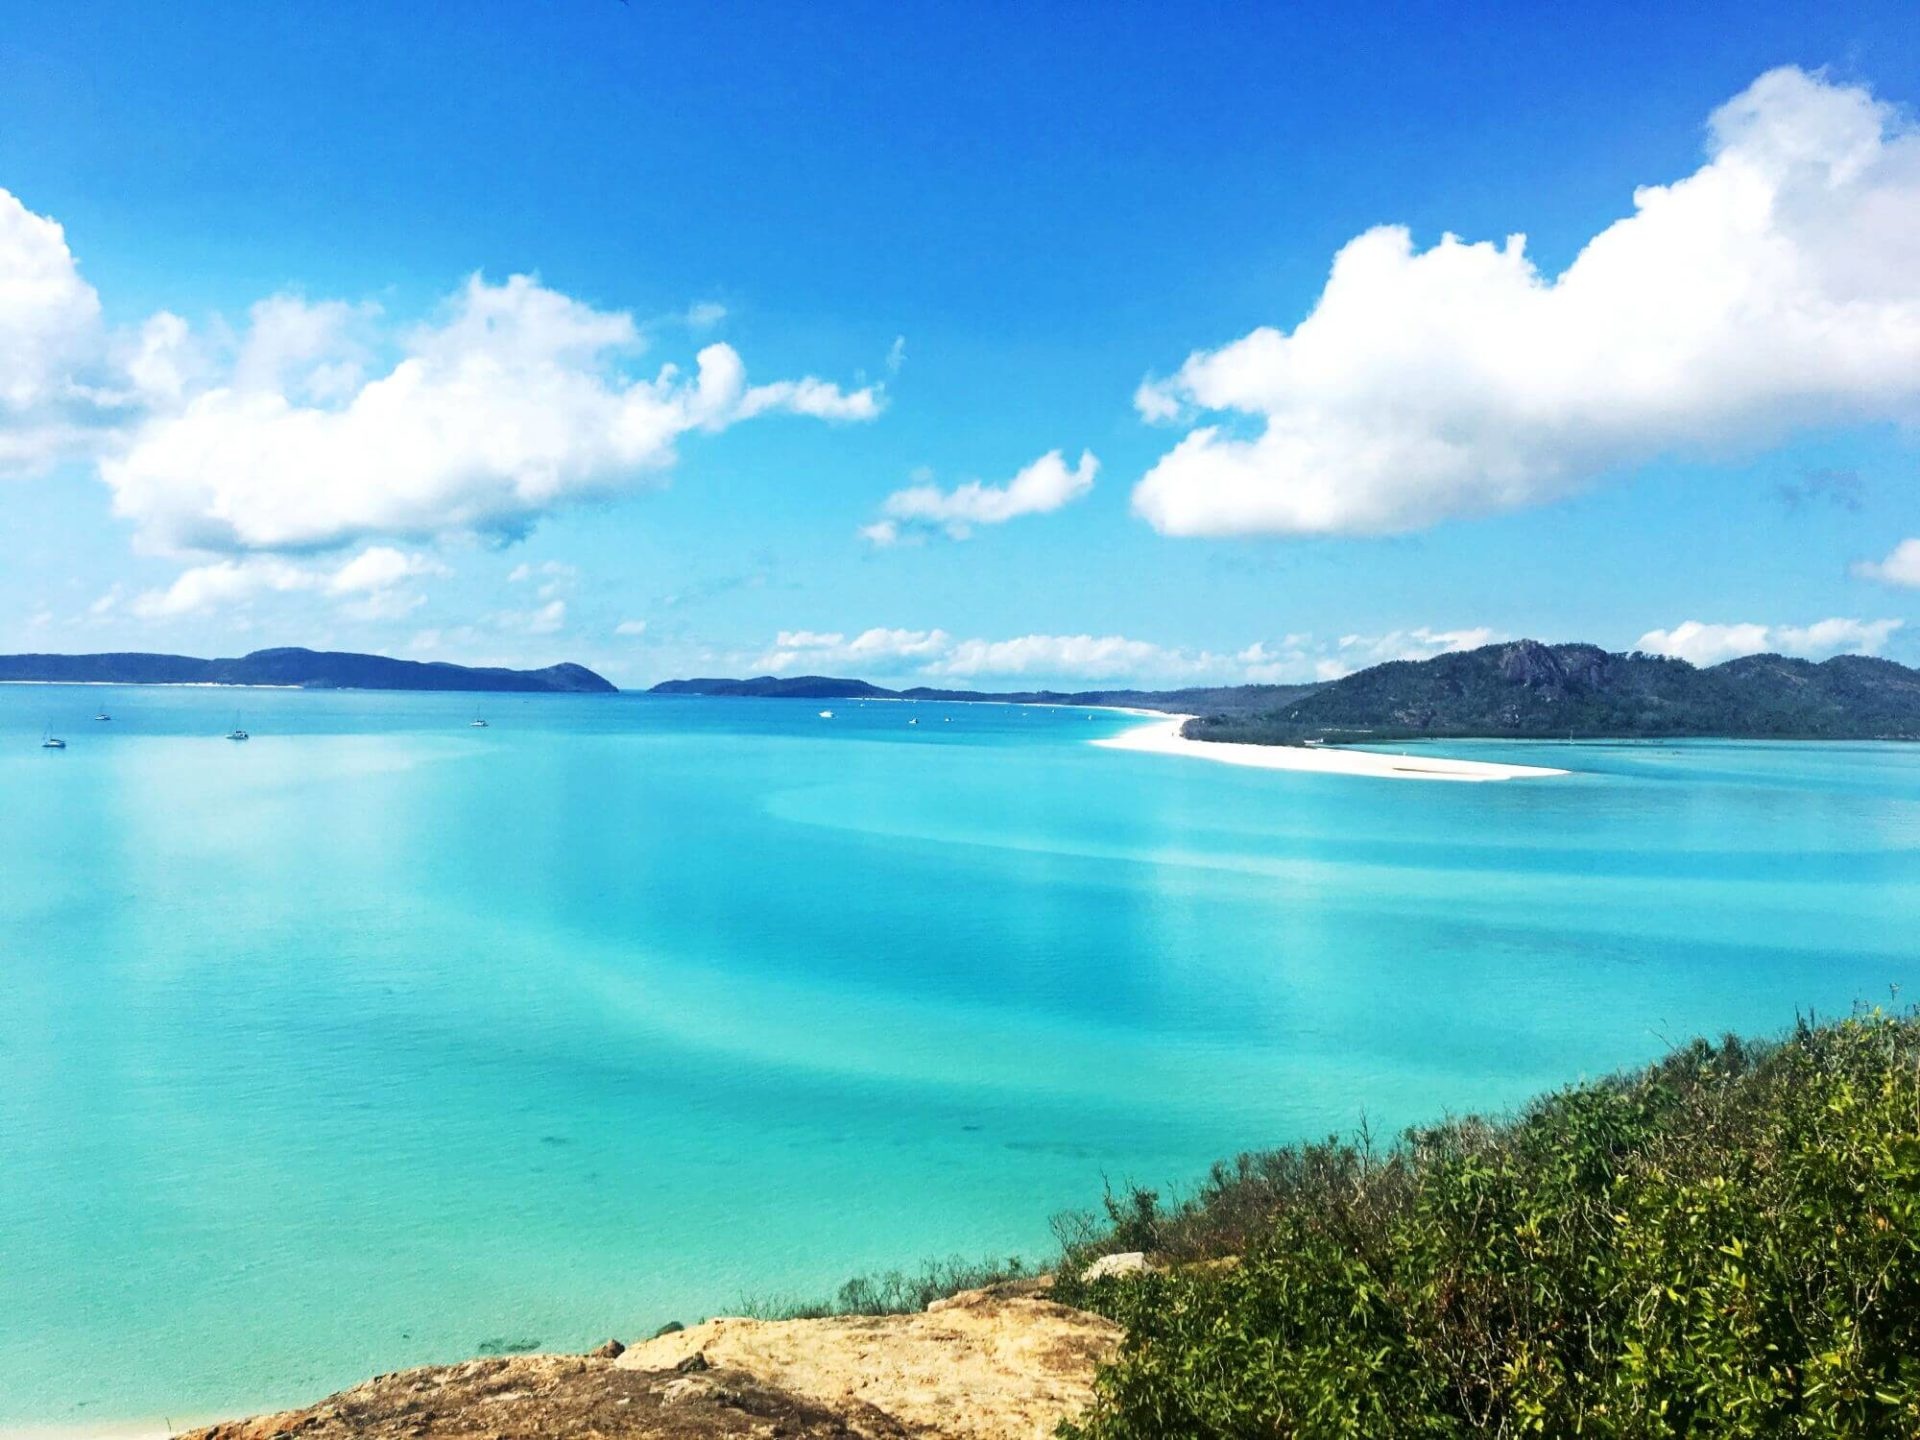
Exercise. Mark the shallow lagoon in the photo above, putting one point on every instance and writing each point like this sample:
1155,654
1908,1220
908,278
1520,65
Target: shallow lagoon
380,1039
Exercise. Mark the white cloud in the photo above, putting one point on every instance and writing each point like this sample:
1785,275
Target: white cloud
896,354
881,650
369,586
1705,644
1044,486
47,312
631,627
315,352
1302,657
938,656
1773,287
705,314
1084,656
555,576
1901,567
544,619
1357,652
51,342
508,408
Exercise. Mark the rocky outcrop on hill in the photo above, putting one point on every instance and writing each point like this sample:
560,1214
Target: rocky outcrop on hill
1529,690
1003,1363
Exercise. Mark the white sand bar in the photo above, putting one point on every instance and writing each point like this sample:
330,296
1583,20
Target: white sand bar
1163,737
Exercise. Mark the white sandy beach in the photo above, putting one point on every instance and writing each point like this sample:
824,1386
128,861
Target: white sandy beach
1163,737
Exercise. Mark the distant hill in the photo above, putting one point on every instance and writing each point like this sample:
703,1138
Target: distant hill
1524,689
308,669
1527,689
1206,699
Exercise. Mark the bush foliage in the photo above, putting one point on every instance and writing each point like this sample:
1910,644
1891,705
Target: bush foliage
1727,1244
894,1292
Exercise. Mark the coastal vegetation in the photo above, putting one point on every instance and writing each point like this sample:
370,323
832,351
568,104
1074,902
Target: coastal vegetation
1532,691
1522,690
897,1292
1724,1244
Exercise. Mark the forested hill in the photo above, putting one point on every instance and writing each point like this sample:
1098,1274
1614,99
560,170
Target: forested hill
308,669
1533,690
1198,700
1522,689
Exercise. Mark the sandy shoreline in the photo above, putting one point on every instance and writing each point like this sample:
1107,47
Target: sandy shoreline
1163,737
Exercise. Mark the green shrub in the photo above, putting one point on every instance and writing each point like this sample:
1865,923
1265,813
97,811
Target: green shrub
1727,1244
895,1292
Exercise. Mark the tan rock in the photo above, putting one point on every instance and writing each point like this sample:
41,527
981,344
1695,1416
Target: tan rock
1127,1262
984,1365
996,1364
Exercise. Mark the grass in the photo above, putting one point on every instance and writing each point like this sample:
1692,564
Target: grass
895,1292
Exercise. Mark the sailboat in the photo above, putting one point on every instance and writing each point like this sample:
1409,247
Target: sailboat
52,742
103,716
477,723
238,732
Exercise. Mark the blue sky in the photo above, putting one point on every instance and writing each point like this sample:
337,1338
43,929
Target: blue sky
252,392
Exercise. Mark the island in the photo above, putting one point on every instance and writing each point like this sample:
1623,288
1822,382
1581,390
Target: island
1518,690
295,668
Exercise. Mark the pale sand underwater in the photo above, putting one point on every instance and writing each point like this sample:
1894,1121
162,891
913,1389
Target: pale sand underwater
1163,737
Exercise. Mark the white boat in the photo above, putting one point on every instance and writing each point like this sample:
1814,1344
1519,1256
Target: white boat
913,721
53,742
826,714
103,716
477,724
238,734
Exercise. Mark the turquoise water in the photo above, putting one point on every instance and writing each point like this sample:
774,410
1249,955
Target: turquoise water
380,1039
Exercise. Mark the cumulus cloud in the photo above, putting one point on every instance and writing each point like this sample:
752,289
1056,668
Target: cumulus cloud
1078,655
323,424
936,655
1303,657
544,619
52,343
1357,652
1706,644
1044,486
882,650
549,578
1901,566
369,586
513,404
1773,287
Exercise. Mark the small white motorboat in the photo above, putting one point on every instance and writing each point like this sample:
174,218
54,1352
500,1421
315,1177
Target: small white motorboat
238,734
826,714
914,721
103,716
